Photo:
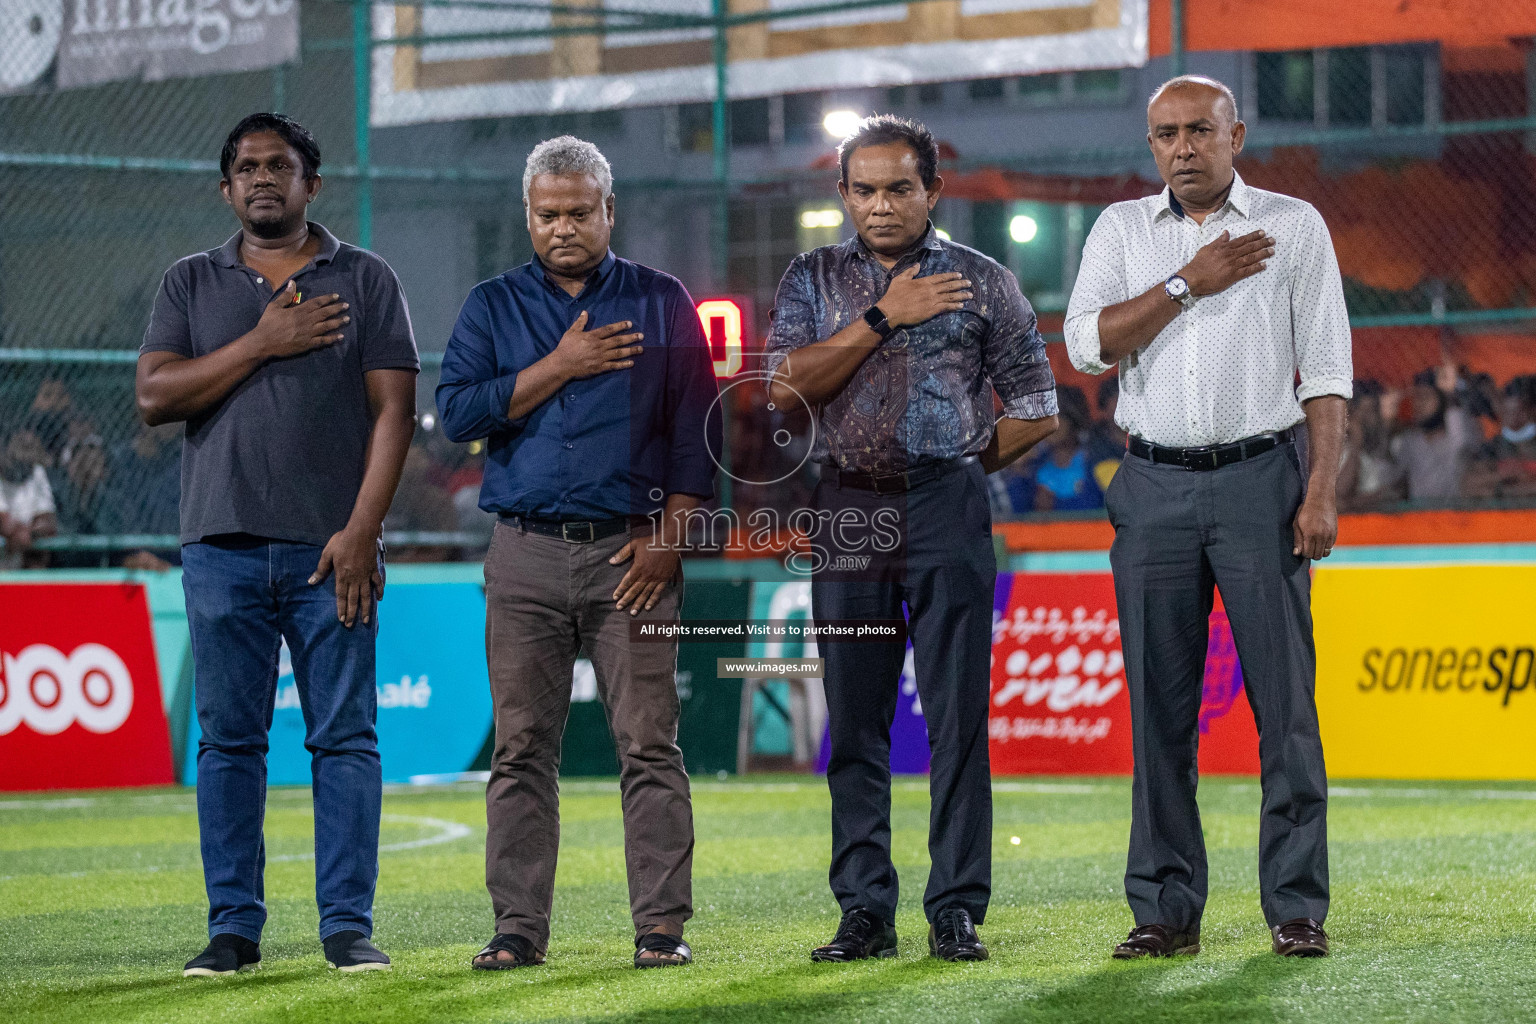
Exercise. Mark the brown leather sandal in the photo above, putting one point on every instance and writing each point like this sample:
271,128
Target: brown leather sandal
669,950
522,950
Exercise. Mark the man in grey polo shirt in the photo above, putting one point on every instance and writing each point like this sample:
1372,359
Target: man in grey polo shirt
290,357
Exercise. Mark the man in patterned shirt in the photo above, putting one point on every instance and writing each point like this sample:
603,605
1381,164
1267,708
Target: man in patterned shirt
1214,297
897,339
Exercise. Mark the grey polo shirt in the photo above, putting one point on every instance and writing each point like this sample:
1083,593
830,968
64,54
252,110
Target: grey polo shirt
282,455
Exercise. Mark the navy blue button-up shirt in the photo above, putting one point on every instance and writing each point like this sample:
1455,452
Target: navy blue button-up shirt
610,445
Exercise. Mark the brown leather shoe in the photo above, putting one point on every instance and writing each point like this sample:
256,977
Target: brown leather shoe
1155,940
1301,937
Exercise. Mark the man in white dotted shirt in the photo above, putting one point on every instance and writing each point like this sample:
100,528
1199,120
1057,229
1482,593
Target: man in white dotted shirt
1214,297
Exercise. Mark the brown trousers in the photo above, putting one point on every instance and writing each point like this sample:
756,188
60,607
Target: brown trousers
545,599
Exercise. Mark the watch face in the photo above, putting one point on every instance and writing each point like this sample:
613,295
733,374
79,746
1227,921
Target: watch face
1176,287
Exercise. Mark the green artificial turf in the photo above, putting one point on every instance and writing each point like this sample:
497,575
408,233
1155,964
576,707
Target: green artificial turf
1434,902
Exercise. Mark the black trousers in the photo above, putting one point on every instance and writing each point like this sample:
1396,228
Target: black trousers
1177,534
943,569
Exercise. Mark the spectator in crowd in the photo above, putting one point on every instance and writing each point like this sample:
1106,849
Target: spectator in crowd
421,505
1106,441
1062,479
79,483
1433,452
145,488
50,417
1368,475
27,509
1505,467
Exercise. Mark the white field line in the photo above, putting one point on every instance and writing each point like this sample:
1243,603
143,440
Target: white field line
447,832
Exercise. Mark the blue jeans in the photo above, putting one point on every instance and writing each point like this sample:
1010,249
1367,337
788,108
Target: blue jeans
243,598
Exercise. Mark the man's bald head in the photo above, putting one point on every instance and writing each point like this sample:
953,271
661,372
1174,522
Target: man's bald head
1194,133
1226,102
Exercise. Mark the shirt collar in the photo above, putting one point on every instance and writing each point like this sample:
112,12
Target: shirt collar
228,254
855,246
593,279
1239,198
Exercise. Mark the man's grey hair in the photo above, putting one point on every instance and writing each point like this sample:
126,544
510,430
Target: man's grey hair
1184,81
568,155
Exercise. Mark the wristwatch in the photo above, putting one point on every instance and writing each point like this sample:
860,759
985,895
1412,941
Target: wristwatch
1178,290
877,322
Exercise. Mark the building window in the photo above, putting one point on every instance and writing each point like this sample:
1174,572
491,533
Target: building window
802,117
1285,86
1349,86
749,122
986,90
1404,74
930,93
1358,85
695,127
1103,83
1042,88
896,96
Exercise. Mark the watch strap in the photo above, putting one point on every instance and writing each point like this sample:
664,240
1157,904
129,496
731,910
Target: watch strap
875,318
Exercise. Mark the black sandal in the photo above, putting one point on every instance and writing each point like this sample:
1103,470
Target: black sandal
523,954
664,946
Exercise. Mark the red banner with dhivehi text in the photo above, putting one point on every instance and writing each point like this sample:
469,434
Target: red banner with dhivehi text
1059,702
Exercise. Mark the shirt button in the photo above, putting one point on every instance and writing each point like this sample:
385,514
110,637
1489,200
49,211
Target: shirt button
261,280
569,445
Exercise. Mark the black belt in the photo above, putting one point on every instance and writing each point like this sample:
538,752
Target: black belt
1210,457
894,483
573,531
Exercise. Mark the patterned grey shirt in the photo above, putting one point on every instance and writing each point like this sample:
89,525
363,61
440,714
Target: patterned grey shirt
926,392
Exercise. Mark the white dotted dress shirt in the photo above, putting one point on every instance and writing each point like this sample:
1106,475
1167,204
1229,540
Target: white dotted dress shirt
1226,368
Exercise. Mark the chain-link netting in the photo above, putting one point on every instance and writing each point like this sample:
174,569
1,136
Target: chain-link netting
1419,157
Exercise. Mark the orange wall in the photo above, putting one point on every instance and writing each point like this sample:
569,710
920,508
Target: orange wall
1303,24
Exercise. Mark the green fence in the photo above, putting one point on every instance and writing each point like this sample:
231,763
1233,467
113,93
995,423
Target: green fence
1425,173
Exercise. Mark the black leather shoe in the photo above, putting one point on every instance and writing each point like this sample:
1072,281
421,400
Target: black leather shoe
1155,940
226,953
1301,937
860,936
952,936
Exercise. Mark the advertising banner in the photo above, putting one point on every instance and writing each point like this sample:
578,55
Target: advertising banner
1427,671
544,66
87,42
79,691
434,701
1059,700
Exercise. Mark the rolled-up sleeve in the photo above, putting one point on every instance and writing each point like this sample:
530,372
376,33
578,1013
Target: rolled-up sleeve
1100,283
793,319
1013,353
691,391
472,394
1319,318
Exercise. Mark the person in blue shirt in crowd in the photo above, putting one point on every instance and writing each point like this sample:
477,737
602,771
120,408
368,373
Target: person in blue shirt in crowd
1061,475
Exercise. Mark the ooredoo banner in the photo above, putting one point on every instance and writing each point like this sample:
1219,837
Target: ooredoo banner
79,689
1059,701
1427,671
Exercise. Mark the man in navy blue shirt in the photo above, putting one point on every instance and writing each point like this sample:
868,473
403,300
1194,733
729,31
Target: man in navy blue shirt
591,378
